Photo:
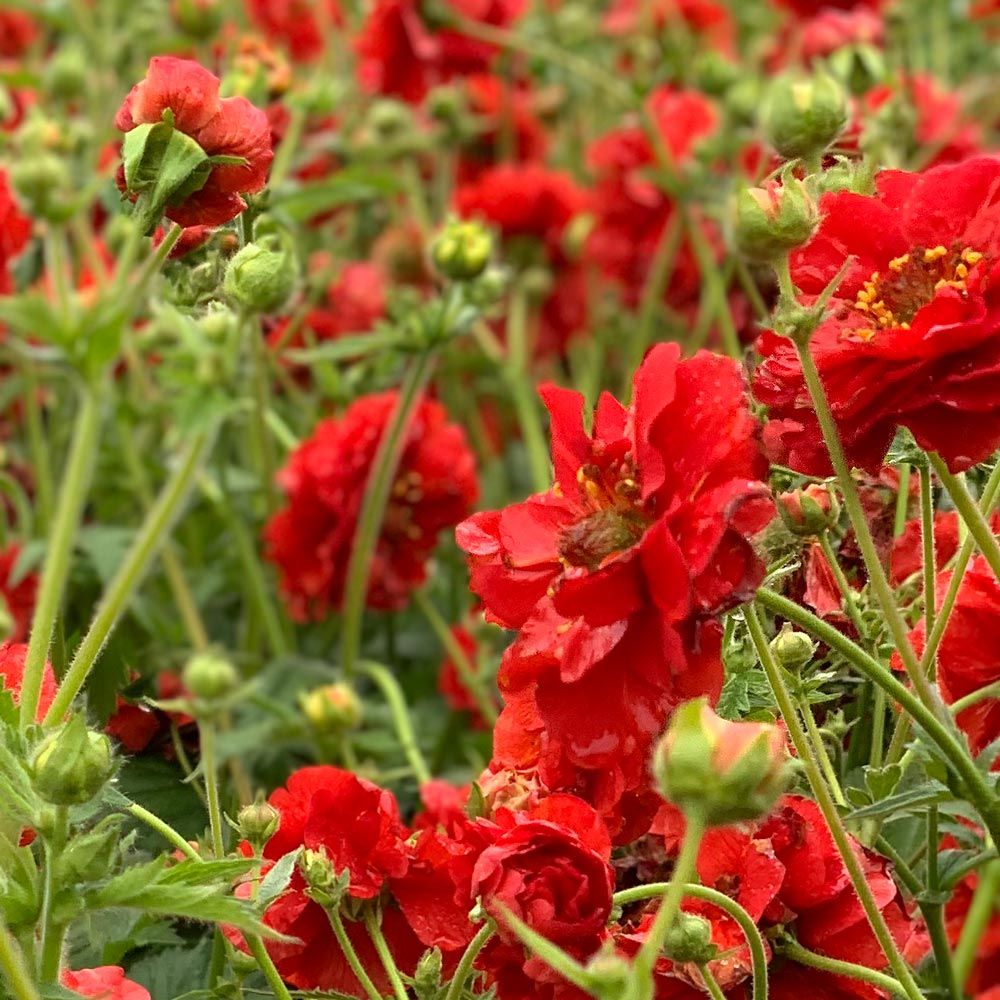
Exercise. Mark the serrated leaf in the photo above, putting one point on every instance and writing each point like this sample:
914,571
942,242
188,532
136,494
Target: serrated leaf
274,883
908,801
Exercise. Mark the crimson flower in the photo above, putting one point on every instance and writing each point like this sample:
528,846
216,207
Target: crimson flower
300,25
229,127
913,338
17,33
106,982
310,540
17,593
706,20
402,54
614,576
12,656
15,232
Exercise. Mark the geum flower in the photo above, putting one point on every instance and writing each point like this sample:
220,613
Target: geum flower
614,575
912,338
199,180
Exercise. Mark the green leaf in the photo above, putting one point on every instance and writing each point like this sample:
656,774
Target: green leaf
346,188
276,880
908,801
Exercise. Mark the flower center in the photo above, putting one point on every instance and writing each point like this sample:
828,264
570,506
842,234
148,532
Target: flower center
616,522
894,298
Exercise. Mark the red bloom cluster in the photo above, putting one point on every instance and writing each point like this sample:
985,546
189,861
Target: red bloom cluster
106,982
229,126
614,576
300,25
12,657
404,55
914,335
310,540
783,870
15,232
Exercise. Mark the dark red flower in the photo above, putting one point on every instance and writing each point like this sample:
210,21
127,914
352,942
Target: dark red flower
631,210
830,30
310,540
18,32
12,656
965,660
17,592
402,54
702,20
15,232
300,25
229,126
106,982
913,338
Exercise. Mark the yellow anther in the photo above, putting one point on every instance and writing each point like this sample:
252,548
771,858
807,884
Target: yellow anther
897,263
935,253
961,271
971,257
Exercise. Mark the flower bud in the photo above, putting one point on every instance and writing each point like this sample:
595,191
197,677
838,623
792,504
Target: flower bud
42,179
793,650
725,772
614,977
258,822
72,765
772,220
810,511
66,73
390,119
261,277
427,978
690,939
323,884
802,117
333,709
462,251
197,18
210,677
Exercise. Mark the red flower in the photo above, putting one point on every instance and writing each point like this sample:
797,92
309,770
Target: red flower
15,232
301,25
107,982
17,593
310,540
229,126
550,870
450,684
631,209
401,54
701,19
965,659
830,30
913,339
12,656
18,32
612,575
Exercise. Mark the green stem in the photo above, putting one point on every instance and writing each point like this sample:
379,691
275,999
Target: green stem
472,680
373,507
846,591
210,772
944,736
902,500
464,968
929,558
69,512
684,871
827,805
50,953
803,956
164,830
123,586
390,688
970,513
819,748
876,574
384,954
14,970
340,932
530,421
267,967
261,432
712,283
710,982
981,910
755,942
38,447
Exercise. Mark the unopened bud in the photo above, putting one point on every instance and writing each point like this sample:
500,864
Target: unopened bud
772,220
323,884
390,119
261,277
42,180
614,977
197,18
809,511
66,73
333,708
725,772
690,939
427,978
803,116
258,822
792,649
210,677
72,765
462,251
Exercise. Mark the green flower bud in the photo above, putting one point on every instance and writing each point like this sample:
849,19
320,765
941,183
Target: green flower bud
218,324
427,978
810,511
447,104
42,180
462,251
772,220
793,650
742,100
390,119
72,765
261,277
613,977
333,709
258,822
715,73
67,72
197,18
723,771
323,884
690,939
210,677
802,117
